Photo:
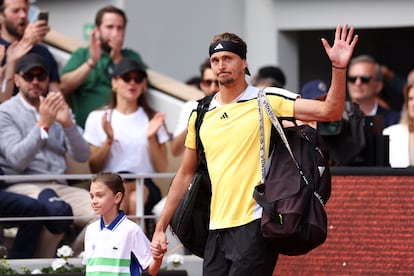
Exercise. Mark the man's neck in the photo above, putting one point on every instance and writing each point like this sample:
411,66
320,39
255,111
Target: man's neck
6,36
26,101
229,92
367,106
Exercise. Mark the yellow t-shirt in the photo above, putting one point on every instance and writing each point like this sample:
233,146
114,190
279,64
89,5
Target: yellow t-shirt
231,138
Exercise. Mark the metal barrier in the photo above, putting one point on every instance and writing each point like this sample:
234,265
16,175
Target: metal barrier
37,178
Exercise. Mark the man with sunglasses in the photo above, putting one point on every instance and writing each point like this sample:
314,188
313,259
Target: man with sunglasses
37,131
209,85
86,77
365,84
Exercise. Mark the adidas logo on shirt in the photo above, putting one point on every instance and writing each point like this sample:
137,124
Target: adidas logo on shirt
218,47
224,116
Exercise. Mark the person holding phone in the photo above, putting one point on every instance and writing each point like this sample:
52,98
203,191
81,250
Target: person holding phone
86,76
20,37
44,15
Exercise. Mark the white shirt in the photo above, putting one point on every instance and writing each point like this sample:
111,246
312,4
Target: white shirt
116,243
130,149
399,145
185,113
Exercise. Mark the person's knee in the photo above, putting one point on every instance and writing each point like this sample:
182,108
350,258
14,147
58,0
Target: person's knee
31,207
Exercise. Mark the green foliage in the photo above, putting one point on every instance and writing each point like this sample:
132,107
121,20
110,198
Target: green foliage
64,269
60,265
5,268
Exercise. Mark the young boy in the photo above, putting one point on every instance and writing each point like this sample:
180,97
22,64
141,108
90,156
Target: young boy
114,244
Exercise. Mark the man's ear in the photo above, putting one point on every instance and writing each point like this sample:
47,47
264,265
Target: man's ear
378,87
15,80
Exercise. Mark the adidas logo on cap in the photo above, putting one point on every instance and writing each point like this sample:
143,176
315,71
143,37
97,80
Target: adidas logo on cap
218,47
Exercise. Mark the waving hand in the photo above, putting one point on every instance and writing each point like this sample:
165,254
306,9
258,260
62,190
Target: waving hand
341,51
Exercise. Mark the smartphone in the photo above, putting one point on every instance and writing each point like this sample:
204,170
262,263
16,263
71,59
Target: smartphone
43,15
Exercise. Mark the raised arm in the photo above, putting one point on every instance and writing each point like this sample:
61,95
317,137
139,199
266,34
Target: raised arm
14,52
100,154
70,81
157,151
339,54
5,93
78,148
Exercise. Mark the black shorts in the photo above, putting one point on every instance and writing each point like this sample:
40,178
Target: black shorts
239,251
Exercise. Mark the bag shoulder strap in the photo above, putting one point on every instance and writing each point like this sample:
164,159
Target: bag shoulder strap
258,193
264,103
202,108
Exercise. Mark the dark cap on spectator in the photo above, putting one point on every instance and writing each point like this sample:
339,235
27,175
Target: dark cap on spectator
315,89
272,73
30,61
127,65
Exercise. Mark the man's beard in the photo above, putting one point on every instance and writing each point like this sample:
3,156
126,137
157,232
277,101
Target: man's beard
226,81
12,30
34,100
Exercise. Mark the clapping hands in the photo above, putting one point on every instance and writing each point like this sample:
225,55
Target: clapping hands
53,108
154,125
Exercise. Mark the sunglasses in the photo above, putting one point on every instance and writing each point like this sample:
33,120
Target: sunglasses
29,77
364,79
128,77
210,82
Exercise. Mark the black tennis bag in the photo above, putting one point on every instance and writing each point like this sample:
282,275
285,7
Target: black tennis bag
293,199
190,222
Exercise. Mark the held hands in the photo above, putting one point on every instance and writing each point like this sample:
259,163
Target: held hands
159,245
157,252
341,51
